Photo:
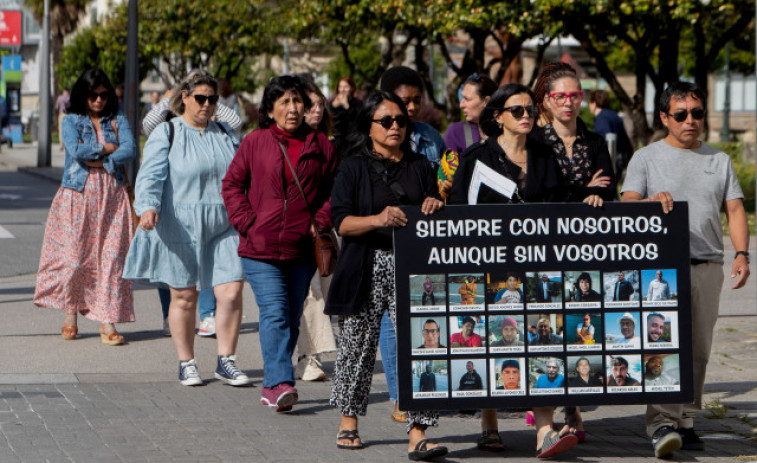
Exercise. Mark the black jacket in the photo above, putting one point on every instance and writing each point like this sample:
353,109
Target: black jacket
543,179
600,159
352,195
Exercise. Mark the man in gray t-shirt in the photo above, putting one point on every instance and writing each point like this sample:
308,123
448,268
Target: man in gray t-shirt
682,168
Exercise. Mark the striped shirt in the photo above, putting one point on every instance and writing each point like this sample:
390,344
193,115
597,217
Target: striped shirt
159,112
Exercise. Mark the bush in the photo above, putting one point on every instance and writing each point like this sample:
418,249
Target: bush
746,175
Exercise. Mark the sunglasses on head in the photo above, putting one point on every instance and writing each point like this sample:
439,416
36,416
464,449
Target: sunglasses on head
201,99
680,116
94,95
518,111
388,121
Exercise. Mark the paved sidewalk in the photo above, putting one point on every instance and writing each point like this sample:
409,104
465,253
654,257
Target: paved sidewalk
82,401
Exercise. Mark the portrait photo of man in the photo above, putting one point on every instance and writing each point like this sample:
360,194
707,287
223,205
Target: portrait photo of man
427,292
543,287
469,377
621,286
512,292
545,336
553,377
585,331
656,328
428,380
619,375
509,374
430,332
661,370
466,337
621,331
584,291
468,291
658,289
509,331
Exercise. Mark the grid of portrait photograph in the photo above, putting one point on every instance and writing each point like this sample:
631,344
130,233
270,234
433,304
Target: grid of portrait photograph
512,333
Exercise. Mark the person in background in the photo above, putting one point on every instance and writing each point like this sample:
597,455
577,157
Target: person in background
476,91
227,97
316,335
154,99
608,121
273,217
365,208
185,240
61,107
90,224
344,107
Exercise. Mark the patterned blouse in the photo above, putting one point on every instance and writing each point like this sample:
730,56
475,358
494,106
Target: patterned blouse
577,170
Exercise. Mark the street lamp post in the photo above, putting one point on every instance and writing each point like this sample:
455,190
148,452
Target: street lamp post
44,141
725,132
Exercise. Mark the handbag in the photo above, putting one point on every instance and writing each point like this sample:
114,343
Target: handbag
129,187
326,248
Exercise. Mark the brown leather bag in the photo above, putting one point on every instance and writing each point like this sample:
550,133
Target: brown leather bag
326,248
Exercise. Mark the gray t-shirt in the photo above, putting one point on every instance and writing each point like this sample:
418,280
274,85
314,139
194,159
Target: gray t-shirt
703,176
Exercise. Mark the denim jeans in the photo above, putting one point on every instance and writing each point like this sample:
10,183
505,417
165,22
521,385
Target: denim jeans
206,302
280,288
388,348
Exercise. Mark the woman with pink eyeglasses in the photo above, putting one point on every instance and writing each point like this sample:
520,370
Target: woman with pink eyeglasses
581,154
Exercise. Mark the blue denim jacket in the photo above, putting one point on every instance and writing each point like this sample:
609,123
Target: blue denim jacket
80,141
426,140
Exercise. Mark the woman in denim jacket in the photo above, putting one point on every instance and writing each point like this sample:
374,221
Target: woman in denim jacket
90,224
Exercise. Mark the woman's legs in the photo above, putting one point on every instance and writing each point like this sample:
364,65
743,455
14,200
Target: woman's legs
181,318
228,298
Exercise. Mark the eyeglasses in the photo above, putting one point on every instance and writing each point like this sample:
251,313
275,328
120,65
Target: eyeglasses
560,98
434,331
388,121
93,96
201,99
680,116
520,110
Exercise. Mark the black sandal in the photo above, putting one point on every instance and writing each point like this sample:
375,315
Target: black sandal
490,441
350,435
422,452
554,444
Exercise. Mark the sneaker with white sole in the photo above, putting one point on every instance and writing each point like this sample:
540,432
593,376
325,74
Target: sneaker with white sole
228,372
207,327
665,441
166,328
188,374
281,397
313,370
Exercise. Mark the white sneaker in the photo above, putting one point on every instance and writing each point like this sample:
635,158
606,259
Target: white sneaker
313,370
188,374
207,327
166,328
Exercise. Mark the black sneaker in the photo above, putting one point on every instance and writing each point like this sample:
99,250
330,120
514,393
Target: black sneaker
666,441
690,439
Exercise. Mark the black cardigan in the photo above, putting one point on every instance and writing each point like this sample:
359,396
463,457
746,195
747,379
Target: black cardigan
600,159
543,179
352,195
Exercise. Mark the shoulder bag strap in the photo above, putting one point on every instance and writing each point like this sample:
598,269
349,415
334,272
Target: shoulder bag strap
299,186
468,132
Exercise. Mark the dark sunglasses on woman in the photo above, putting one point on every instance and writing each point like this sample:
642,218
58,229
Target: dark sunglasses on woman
387,121
93,96
201,99
680,116
518,111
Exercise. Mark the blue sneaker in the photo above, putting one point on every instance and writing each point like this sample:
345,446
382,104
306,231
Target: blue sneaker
188,374
228,372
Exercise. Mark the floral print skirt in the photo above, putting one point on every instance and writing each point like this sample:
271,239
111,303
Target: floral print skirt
86,240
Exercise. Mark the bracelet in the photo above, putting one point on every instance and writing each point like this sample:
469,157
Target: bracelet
742,253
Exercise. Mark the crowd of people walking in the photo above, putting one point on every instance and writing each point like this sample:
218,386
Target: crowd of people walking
212,209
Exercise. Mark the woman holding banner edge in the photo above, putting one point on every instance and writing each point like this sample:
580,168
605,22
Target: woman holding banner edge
378,174
508,119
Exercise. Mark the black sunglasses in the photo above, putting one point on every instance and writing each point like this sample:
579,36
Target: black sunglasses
201,99
388,121
680,116
518,111
94,96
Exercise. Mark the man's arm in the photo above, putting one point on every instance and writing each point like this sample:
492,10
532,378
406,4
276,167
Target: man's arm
663,197
738,229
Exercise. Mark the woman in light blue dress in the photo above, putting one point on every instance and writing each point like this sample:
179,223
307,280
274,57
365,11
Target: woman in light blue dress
185,241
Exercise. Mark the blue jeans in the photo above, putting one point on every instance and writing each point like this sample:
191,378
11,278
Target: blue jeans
280,288
388,348
206,302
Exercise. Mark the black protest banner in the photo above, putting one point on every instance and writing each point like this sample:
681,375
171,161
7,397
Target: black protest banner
509,306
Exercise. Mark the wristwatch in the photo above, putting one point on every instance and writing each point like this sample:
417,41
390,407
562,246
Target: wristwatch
743,253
